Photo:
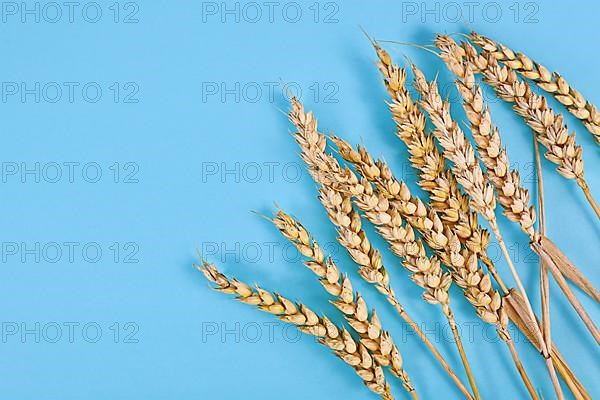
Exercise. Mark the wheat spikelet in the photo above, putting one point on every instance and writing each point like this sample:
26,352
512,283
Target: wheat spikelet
339,340
552,83
551,130
339,208
354,307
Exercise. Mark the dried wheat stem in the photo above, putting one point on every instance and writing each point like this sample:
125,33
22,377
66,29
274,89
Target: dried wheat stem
515,308
563,284
552,83
544,281
354,307
551,130
521,369
588,195
353,353
348,222
394,201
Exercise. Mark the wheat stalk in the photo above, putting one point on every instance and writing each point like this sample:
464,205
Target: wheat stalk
551,130
552,83
462,262
348,222
354,307
442,185
339,340
515,308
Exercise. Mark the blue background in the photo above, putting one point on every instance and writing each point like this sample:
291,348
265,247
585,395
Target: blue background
184,340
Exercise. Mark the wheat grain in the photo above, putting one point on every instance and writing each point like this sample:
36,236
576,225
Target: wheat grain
348,222
339,340
552,83
354,307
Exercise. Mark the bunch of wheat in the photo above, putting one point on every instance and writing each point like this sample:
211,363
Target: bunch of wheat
459,191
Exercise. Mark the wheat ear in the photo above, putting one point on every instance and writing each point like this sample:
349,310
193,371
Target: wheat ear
513,197
443,188
353,353
393,197
354,307
550,127
564,265
348,222
552,83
